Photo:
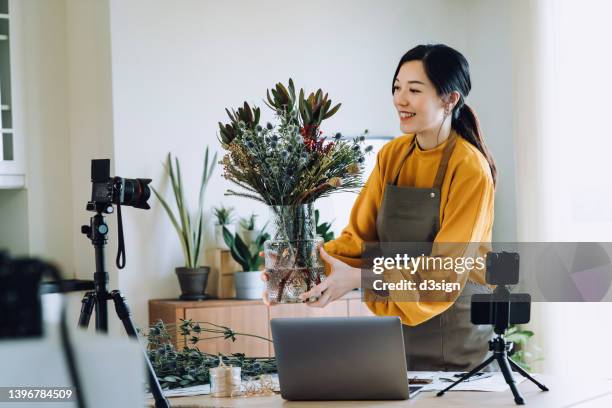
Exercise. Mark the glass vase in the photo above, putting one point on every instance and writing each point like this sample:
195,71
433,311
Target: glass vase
292,257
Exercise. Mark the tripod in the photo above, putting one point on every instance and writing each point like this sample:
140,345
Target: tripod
500,349
96,231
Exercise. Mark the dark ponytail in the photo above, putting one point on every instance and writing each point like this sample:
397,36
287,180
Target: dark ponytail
466,123
449,71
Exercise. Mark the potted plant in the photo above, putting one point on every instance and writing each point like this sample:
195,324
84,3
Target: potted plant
189,227
247,228
248,283
225,218
288,167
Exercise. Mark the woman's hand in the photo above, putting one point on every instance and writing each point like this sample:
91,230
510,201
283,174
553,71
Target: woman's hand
342,279
265,276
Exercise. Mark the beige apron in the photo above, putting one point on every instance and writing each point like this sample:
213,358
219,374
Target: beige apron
449,341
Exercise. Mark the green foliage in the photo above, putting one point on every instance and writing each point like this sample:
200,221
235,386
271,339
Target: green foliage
520,338
248,224
248,257
190,366
289,164
324,229
189,229
224,215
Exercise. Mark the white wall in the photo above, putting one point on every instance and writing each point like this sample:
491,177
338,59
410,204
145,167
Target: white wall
14,222
489,53
176,68
144,77
42,77
63,70
563,145
90,119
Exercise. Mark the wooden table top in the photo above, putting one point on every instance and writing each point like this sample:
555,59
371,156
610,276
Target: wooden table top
564,392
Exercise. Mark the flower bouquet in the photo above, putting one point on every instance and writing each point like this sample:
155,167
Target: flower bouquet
288,166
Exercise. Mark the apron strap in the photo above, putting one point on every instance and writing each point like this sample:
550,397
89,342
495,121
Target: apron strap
448,151
446,154
410,149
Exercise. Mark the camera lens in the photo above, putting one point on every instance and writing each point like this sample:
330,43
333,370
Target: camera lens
136,192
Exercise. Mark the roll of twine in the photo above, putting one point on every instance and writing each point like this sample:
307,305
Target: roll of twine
225,381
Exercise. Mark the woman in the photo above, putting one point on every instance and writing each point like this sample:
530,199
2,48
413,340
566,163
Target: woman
434,184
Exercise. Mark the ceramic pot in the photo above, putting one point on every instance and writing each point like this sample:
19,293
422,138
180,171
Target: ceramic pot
248,285
193,282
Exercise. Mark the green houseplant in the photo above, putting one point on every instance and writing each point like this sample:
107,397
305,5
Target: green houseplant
247,228
323,229
248,283
224,218
521,337
189,227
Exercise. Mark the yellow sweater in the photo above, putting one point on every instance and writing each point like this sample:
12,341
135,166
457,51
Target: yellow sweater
466,210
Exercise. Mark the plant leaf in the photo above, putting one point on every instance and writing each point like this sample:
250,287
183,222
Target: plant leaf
173,220
332,111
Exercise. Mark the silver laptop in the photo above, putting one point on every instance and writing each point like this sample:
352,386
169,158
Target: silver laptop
341,358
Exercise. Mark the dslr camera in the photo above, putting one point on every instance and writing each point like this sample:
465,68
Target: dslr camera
107,190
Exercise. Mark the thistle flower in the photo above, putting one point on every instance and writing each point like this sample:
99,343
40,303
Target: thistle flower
269,126
369,148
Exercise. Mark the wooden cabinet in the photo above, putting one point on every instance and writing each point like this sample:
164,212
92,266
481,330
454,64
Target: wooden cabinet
251,319
245,316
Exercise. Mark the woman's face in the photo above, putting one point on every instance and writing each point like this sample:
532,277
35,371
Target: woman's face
418,105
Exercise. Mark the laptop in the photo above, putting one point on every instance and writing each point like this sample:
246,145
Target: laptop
341,358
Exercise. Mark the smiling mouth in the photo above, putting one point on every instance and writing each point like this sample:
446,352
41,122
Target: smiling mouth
406,115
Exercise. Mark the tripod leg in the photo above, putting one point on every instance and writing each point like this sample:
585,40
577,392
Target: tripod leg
526,375
87,304
502,360
465,377
124,314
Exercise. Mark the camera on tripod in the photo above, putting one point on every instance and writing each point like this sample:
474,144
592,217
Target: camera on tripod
501,308
107,190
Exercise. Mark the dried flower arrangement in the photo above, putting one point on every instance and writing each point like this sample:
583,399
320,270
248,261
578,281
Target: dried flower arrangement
287,167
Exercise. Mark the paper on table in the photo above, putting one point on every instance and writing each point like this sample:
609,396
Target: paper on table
202,389
496,383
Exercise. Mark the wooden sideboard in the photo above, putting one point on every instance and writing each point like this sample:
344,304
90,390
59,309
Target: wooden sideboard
245,316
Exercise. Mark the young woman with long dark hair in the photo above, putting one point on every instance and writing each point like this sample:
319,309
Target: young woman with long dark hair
434,184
